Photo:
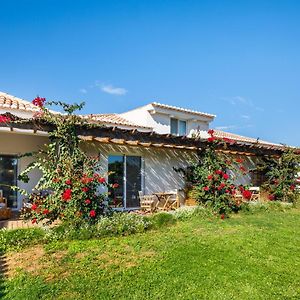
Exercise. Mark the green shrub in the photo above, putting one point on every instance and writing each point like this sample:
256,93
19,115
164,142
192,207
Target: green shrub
20,238
162,218
185,213
121,224
253,207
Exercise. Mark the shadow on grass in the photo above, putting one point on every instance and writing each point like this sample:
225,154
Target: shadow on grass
3,270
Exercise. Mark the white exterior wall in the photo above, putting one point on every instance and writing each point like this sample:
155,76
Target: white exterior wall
16,144
158,173
159,119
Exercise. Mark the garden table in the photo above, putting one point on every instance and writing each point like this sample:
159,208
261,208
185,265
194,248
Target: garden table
164,200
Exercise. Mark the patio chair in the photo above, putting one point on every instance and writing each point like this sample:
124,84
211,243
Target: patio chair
5,212
147,202
168,200
255,190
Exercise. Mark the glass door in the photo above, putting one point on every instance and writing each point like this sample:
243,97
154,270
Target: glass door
116,175
133,180
126,172
8,178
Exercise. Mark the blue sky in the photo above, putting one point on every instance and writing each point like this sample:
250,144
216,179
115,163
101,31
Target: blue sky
237,59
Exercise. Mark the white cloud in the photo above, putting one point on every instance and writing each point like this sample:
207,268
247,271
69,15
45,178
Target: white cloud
246,117
110,89
239,100
83,91
226,127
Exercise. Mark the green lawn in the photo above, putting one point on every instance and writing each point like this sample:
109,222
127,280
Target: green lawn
244,257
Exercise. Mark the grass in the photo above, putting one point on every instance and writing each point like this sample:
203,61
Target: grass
249,256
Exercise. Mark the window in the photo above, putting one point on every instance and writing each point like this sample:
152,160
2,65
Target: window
8,178
178,127
126,171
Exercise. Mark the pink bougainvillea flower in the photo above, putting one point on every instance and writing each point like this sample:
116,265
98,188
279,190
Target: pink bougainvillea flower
206,188
93,213
210,177
85,189
68,182
225,176
46,211
87,201
34,206
67,194
211,132
211,139
115,185
219,172
33,221
247,194
5,119
38,101
292,187
222,216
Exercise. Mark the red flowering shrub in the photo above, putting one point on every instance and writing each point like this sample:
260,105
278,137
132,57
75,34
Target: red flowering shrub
210,178
70,177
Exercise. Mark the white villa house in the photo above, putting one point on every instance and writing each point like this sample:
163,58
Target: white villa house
146,166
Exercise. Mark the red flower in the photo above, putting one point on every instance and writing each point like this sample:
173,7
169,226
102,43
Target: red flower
86,180
239,160
219,172
221,186
67,194
211,139
271,197
85,189
33,221
241,188
115,185
222,216
227,191
292,187
209,177
211,132
225,176
243,169
38,101
87,201
206,188
102,180
34,206
69,182
93,213
4,119
46,211
247,194
275,181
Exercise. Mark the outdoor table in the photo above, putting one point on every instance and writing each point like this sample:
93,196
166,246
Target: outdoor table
164,198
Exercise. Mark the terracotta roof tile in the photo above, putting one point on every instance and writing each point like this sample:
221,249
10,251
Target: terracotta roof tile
10,102
112,119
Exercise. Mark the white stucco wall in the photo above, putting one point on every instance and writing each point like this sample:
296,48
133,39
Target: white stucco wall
159,175
17,144
160,119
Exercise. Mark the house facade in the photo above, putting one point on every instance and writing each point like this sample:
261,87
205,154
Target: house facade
136,166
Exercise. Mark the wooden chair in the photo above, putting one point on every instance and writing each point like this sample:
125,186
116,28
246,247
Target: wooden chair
147,202
5,212
255,190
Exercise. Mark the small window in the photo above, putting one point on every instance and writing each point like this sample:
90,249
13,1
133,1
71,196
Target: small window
174,126
182,127
178,127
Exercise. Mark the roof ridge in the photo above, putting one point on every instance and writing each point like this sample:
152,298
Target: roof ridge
167,106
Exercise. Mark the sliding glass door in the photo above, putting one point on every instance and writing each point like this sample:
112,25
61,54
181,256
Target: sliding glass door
126,172
8,178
